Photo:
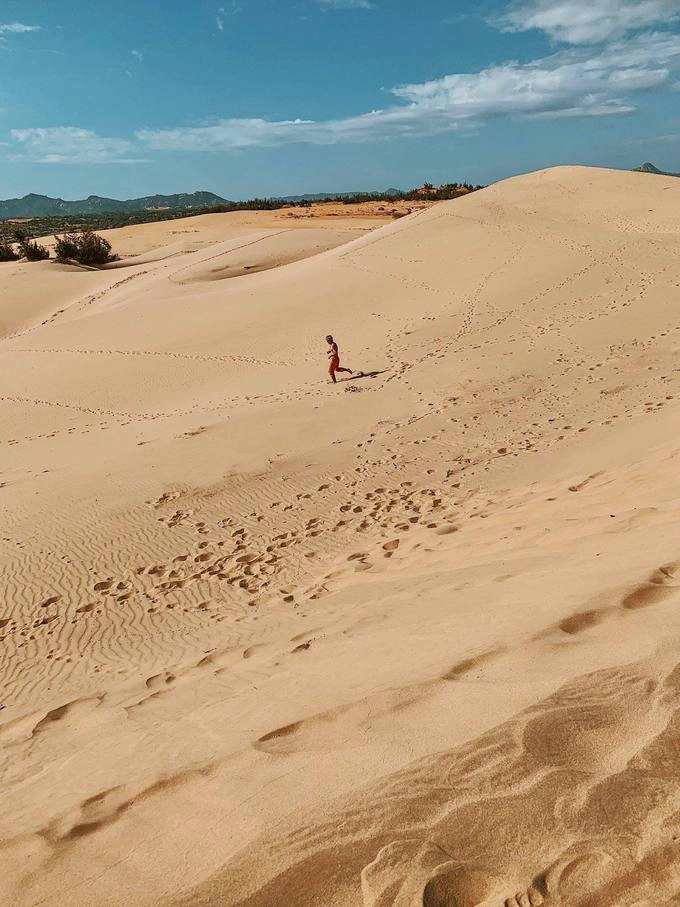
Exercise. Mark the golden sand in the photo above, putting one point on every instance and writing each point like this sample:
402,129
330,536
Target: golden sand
407,641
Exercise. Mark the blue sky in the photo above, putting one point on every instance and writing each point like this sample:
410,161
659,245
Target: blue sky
269,97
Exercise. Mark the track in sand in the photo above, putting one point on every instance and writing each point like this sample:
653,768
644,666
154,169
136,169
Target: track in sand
409,641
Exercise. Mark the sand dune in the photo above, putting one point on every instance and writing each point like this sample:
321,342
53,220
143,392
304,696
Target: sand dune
215,245
409,640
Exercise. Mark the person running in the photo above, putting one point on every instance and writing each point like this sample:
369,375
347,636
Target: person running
334,356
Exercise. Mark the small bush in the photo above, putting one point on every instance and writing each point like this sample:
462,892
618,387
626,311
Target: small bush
33,251
29,249
87,248
66,248
7,252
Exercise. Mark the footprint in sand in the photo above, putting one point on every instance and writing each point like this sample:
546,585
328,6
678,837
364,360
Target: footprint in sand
580,621
576,880
103,586
270,742
51,601
409,872
658,587
459,886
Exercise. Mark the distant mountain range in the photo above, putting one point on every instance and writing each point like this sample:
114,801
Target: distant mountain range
33,205
43,206
650,168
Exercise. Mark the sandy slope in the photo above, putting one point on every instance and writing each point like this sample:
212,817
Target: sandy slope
410,640
206,247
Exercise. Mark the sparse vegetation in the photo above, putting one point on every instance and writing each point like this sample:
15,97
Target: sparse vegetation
28,248
86,248
435,194
43,226
7,251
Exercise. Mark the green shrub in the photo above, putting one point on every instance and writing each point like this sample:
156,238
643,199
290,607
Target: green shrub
7,252
33,251
29,249
66,247
87,248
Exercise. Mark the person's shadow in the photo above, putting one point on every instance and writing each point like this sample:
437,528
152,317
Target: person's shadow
358,375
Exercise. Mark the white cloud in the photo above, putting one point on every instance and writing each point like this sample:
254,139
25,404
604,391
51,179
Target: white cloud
232,9
345,4
17,28
138,55
587,21
70,145
666,138
575,82
404,122
14,28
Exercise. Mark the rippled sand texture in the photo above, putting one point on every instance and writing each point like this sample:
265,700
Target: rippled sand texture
408,641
